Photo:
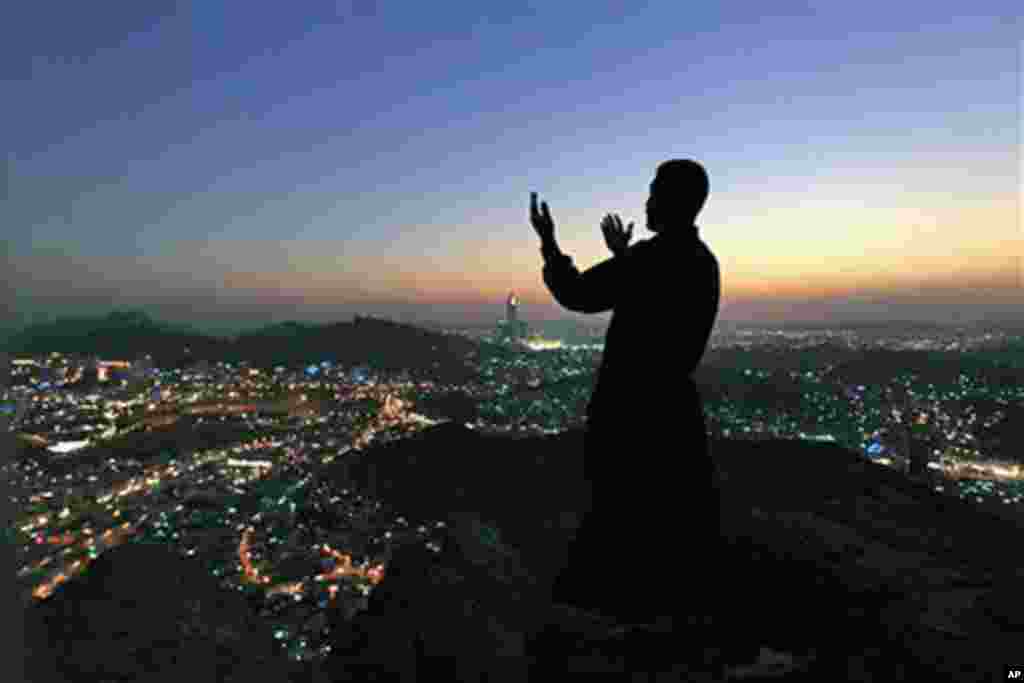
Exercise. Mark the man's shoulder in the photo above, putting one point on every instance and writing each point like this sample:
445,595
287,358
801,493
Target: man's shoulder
658,245
642,246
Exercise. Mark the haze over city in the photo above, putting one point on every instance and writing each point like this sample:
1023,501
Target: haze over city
237,165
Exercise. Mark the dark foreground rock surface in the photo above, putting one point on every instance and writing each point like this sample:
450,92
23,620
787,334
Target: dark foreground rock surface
865,574
144,613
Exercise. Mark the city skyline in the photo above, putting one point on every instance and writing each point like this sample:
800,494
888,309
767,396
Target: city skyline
334,161
558,327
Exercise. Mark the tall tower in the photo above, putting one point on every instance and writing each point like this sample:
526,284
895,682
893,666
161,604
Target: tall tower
512,328
512,309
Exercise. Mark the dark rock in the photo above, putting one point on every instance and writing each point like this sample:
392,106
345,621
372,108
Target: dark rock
143,612
825,556
445,618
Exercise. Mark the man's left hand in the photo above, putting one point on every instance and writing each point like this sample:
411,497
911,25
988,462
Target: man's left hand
615,236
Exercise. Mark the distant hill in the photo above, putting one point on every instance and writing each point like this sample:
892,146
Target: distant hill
1008,323
380,344
117,335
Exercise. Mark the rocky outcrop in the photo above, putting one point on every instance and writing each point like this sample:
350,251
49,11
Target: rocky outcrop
440,617
531,491
863,573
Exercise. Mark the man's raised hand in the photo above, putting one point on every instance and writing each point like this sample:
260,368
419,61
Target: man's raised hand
615,237
541,220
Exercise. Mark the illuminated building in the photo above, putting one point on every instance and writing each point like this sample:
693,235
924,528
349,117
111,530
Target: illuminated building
511,309
538,343
512,328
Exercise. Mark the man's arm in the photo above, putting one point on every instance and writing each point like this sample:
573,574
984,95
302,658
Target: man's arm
594,291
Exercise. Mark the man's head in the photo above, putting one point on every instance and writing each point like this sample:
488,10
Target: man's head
678,192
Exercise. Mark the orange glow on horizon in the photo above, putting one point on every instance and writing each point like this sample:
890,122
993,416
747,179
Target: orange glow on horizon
828,244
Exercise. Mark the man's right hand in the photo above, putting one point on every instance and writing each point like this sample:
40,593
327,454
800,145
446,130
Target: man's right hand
541,221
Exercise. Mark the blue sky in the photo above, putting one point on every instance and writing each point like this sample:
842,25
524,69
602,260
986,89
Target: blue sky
256,162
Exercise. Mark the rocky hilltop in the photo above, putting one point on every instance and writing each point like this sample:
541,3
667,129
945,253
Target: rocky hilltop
857,572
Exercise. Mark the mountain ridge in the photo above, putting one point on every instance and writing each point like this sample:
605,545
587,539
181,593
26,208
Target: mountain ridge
379,343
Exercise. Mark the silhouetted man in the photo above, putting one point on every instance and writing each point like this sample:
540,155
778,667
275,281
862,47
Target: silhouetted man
655,487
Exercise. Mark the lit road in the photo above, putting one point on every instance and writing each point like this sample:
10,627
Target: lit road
343,569
65,570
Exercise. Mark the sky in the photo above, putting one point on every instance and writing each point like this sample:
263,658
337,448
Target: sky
235,164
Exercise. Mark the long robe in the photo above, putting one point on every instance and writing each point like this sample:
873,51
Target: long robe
652,535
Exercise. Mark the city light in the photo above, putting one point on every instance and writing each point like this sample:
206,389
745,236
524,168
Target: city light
212,489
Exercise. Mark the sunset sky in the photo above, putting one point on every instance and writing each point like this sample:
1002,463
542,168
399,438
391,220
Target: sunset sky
240,163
